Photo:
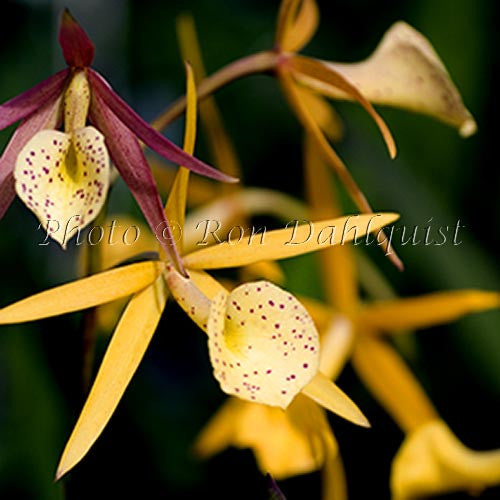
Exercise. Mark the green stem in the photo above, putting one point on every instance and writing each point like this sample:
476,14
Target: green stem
260,62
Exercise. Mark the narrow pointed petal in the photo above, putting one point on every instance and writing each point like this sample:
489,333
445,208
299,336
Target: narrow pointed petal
303,27
268,270
326,117
175,208
129,159
78,50
330,396
285,243
33,99
334,482
385,374
63,179
337,263
337,342
150,136
125,351
263,344
405,72
48,116
427,310
222,148
82,294
432,461
297,23
317,70
332,158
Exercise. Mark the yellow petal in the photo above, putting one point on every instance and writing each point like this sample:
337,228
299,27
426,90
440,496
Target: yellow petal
285,243
125,351
319,71
309,123
212,222
122,238
337,264
337,341
321,313
384,373
433,461
63,178
327,119
427,310
84,293
222,148
334,480
201,190
406,72
175,208
285,444
263,344
330,396
297,23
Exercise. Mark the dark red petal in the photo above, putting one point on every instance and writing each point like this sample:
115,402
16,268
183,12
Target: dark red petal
28,102
129,159
156,141
78,50
46,116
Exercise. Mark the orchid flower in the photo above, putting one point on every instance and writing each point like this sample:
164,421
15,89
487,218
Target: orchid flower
404,71
65,175
261,315
431,459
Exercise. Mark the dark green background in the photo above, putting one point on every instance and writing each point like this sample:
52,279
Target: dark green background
144,451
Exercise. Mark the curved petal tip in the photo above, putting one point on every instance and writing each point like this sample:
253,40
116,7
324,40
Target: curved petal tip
78,50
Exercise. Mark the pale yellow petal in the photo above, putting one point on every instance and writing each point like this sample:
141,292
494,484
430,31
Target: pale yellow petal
285,243
125,351
262,343
318,71
195,302
385,374
337,264
330,396
337,342
433,461
405,71
321,313
84,293
63,179
427,310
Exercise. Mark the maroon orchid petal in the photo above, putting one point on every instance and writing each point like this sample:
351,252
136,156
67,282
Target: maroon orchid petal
28,102
78,50
48,116
129,159
156,141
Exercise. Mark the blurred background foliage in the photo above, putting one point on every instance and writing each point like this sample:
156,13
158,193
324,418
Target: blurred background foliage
145,451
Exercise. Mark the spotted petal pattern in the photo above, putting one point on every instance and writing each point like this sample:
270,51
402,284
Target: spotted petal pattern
263,344
63,179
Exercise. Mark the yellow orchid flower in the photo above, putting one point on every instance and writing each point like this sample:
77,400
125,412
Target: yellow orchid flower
404,71
431,460
239,345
